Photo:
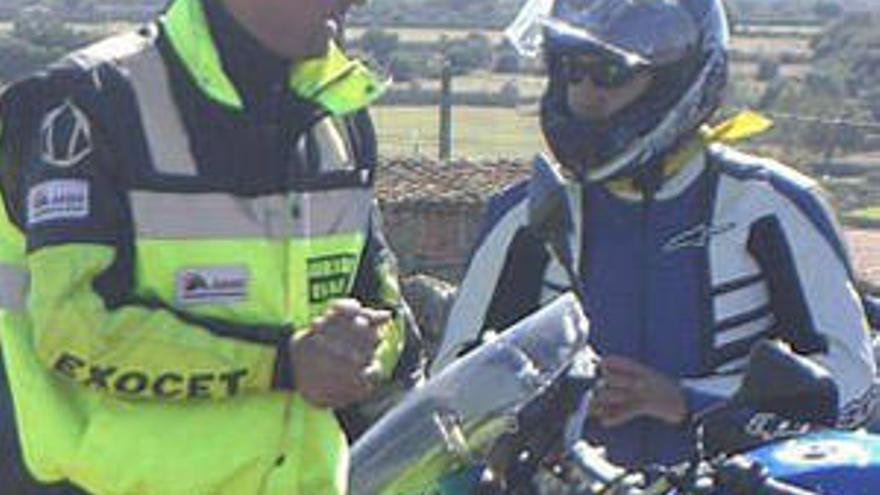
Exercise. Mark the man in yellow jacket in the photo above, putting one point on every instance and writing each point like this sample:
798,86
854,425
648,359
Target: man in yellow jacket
192,277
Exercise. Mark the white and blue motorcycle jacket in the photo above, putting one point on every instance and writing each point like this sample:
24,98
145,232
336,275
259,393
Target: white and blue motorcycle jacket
730,249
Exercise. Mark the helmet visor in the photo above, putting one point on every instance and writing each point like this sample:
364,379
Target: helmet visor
632,33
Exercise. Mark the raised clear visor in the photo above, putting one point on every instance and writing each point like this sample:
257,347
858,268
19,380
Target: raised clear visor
456,417
525,33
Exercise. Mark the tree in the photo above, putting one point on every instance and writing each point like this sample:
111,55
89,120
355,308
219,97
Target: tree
471,53
42,27
407,66
18,57
507,60
768,69
380,44
827,9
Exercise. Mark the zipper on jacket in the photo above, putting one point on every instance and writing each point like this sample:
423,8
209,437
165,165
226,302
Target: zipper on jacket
649,185
285,149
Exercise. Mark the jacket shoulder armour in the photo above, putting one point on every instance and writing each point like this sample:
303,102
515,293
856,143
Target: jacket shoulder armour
743,166
82,74
93,78
790,185
114,50
502,202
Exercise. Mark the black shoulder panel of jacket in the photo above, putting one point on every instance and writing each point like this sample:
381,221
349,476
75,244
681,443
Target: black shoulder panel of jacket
95,86
770,247
518,291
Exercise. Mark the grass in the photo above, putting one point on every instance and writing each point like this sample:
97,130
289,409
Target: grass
427,35
770,46
865,217
480,133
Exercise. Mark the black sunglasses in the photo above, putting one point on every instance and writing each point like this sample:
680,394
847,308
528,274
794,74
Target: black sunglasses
604,73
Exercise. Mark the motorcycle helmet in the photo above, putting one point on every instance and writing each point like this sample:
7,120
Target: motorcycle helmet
681,44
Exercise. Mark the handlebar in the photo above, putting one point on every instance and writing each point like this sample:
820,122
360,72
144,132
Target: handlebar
776,487
735,475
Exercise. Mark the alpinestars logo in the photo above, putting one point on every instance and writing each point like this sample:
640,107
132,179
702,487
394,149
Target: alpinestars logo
66,136
696,237
212,285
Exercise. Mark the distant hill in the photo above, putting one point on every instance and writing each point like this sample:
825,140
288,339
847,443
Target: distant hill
850,49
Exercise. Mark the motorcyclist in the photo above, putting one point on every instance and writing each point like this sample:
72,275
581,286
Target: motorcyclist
688,250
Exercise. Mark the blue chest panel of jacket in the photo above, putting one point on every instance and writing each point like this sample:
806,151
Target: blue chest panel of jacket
647,300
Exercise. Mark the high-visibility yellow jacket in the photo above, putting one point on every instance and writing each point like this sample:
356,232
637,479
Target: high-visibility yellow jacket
158,246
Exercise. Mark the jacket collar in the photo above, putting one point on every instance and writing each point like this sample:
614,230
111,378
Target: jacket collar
339,84
683,166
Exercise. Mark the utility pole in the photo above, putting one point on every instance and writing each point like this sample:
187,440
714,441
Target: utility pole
445,134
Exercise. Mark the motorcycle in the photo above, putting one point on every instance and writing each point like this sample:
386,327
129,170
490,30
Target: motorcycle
515,406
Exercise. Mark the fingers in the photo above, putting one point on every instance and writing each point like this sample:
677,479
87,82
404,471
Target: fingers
352,308
619,416
629,389
328,373
343,308
347,324
614,397
334,362
620,395
621,382
347,336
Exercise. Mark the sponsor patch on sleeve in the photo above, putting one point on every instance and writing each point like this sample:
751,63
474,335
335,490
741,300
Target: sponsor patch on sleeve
64,199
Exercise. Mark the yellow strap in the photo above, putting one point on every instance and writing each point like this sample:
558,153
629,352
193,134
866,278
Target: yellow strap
744,125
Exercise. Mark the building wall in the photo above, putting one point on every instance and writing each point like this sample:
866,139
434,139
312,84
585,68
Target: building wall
432,239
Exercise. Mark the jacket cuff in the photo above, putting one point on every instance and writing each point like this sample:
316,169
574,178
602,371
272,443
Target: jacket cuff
283,379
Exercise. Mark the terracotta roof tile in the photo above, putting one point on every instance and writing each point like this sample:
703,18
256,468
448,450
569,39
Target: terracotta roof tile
450,184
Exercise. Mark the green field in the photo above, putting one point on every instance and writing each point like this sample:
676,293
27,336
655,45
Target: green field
865,216
528,85
98,27
477,132
428,35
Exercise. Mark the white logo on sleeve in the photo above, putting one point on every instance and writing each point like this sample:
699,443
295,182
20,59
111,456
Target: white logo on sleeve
212,285
66,136
63,199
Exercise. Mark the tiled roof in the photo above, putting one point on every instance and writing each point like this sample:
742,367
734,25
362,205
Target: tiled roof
865,248
457,183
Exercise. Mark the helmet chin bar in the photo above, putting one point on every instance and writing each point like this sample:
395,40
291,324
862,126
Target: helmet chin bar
684,118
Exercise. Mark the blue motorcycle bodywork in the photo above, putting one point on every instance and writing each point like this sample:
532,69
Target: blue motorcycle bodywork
830,463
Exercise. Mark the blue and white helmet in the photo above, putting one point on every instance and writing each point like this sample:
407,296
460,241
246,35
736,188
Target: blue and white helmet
682,43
